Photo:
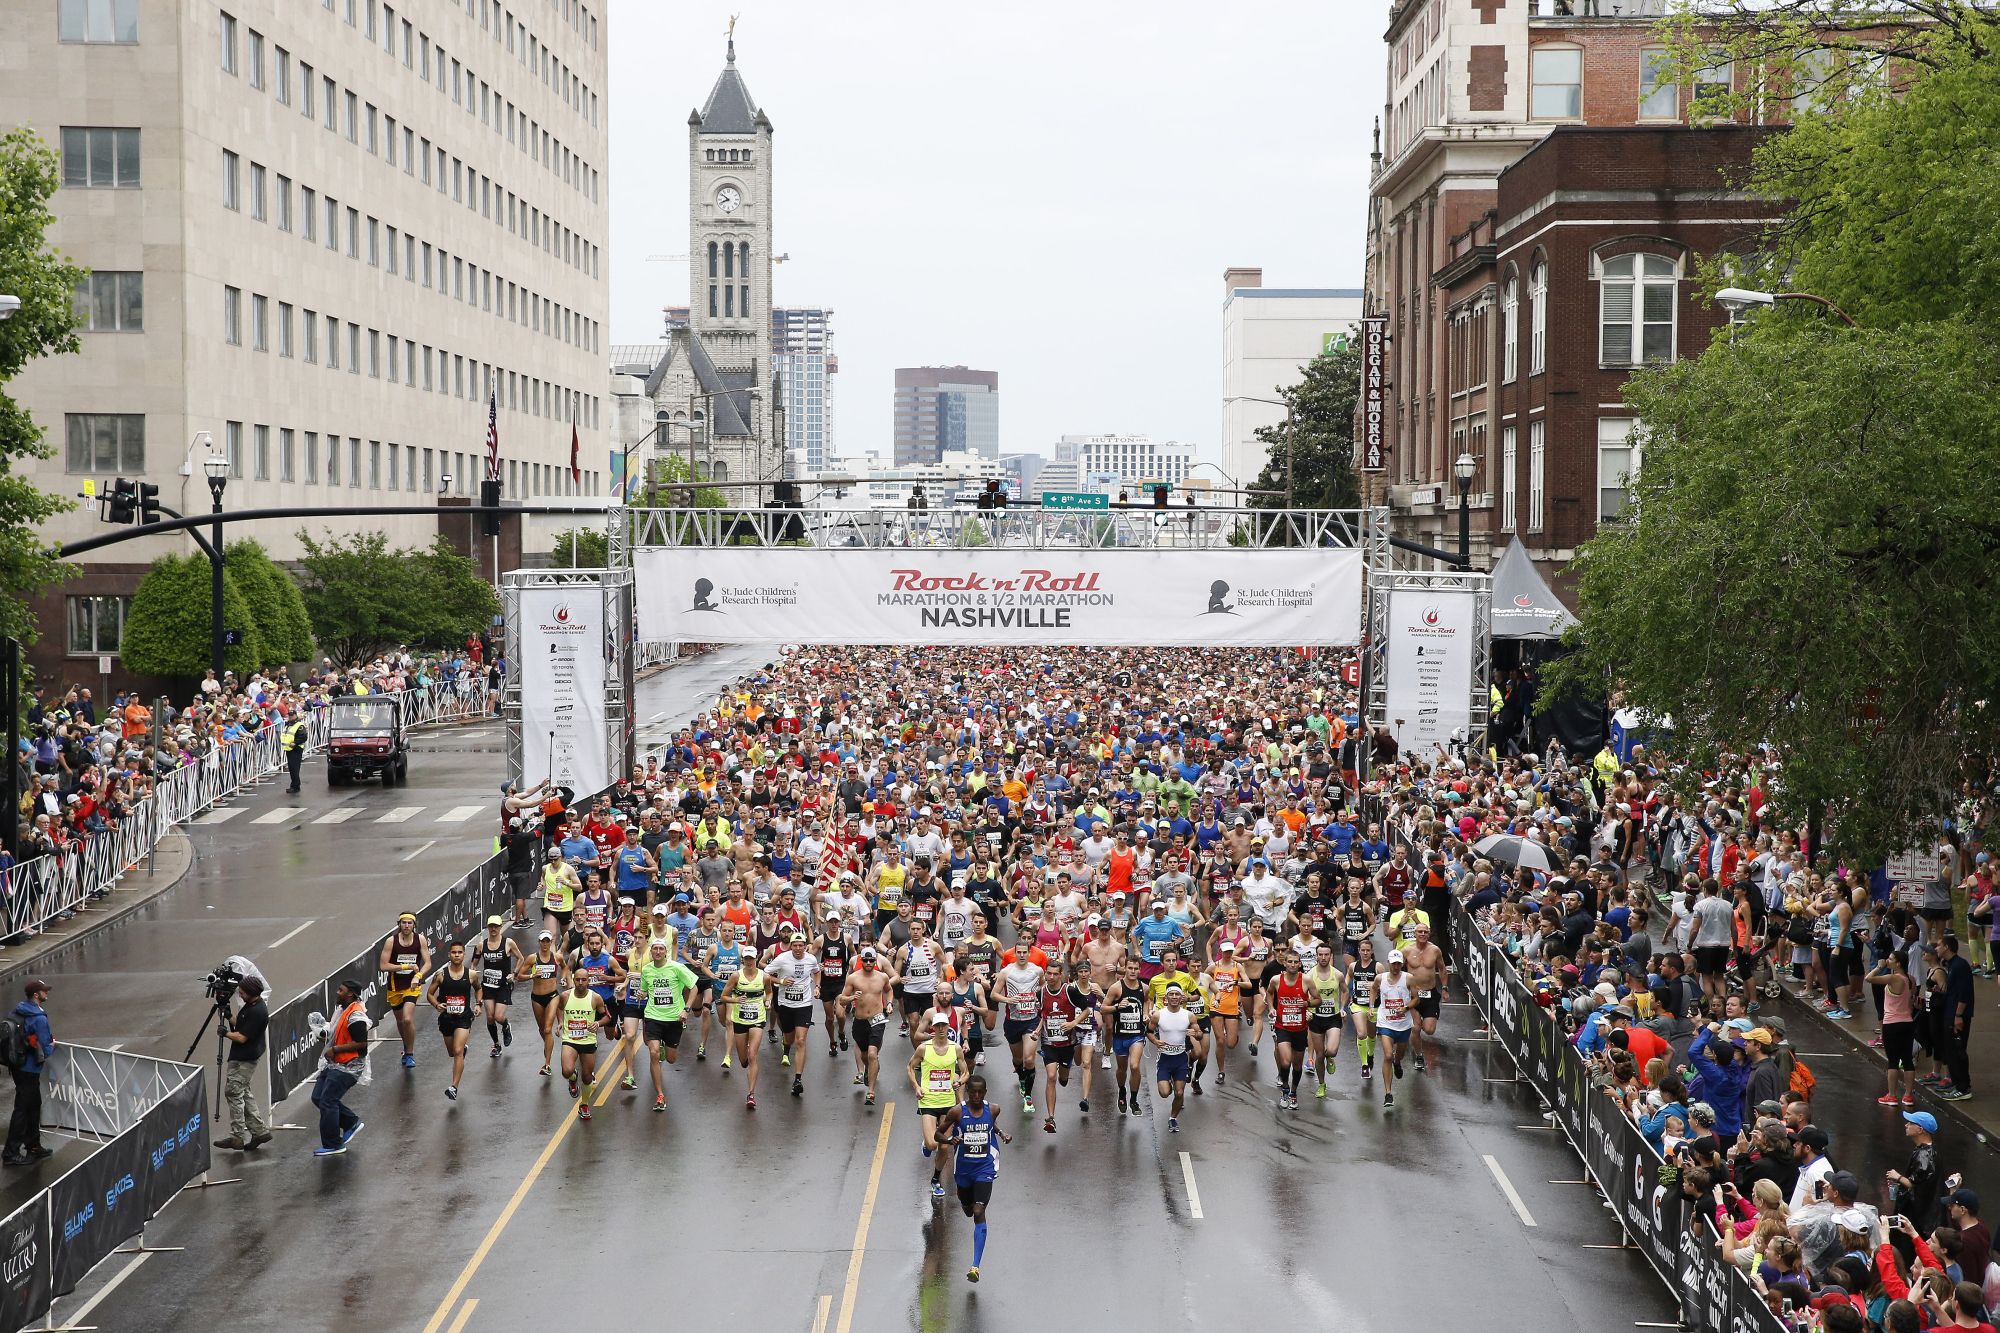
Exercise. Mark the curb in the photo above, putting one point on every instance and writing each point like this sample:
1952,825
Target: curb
135,890
1858,1044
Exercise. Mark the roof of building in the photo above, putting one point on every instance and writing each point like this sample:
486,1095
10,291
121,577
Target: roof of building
1350,293
730,108
729,407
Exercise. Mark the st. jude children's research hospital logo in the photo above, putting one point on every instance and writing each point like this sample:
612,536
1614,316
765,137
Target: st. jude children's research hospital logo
710,599
1262,597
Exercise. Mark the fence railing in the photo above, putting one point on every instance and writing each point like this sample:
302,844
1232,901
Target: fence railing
41,889
1675,1235
150,1120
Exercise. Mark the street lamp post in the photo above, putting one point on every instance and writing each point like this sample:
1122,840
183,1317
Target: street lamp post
1739,299
217,468
1462,468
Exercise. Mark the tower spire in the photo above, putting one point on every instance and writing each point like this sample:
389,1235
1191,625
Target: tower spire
732,37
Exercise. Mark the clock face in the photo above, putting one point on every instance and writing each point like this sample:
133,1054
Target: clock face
727,199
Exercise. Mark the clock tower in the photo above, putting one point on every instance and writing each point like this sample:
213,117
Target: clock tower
729,274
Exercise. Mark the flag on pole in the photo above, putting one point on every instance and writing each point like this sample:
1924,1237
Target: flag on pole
575,450
492,435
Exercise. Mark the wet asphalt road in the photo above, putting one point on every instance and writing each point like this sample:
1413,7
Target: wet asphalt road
500,1210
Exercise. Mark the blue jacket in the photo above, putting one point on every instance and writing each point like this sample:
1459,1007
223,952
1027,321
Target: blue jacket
1721,1086
44,1038
1654,1126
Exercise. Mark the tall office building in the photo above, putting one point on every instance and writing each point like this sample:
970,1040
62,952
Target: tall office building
1130,460
1268,336
803,364
320,235
940,408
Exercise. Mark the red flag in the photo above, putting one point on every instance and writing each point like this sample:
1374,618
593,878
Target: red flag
575,463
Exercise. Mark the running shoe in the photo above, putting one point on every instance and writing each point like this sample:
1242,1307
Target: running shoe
1221,1078
629,1083
583,1111
1909,1101
1107,1062
409,1060
1253,1050
869,1100
1368,1071
1875,1043
1196,1085
1888,1101
1136,1108
1319,1091
1027,1105
506,1034
771,1035
572,1087
660,1103
787,1061
1399,1068
843,1041
725,1064
1049,1125
798,1086
1388,1101
1421,1066
1122,1103
701,1051
545,1071
1838,1013
1954,1095
972,1275
494,1054
750,1102
520,922
1083,1106
860,1080
978,1059
451,1092
348,1137
330,1152
937,1189
1173,1125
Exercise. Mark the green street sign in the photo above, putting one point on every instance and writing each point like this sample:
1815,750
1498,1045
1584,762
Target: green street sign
1075,500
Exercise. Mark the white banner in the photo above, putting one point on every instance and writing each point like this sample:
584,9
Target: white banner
1113,598
1429,690
563,650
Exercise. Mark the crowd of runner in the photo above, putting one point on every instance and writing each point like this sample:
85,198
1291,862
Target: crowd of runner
1092,883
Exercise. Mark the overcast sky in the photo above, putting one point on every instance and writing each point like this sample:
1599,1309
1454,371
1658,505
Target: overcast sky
1050,191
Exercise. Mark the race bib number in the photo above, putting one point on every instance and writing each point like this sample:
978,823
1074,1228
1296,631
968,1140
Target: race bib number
663,993
749,1011
454,1004
938,1080
492,978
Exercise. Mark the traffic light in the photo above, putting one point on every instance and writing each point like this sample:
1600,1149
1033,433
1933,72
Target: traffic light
489,496
1159,497
999,495
149,503
121,502
918,500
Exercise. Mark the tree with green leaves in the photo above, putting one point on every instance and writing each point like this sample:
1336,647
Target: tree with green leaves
284,631
666,485
365,597
168,628
1809,557
45,325
1321,448
580,548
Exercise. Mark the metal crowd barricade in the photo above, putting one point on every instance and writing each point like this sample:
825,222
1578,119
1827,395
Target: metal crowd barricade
37,891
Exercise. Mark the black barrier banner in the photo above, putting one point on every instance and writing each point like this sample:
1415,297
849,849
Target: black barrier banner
27,1264
1572,1082
1747,1311
174,1143
1705,1287
1644,1191
293,1045
96,1207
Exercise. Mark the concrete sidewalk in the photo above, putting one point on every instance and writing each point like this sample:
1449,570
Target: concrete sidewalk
171,861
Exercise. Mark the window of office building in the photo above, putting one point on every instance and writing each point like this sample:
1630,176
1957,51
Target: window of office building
104,442
1537,475
1636,310
99,158
261,435
97,21
1618,458
110,302
96,624
232,316
287,463
1557,83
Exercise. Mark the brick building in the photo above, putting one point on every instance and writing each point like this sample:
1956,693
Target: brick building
1539,203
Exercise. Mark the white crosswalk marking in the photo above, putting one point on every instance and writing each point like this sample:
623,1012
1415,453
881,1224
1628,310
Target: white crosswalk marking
458,814
280,815
399,814
340,816
222,816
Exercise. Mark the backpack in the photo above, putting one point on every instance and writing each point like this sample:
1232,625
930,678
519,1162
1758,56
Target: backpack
1802,1081
14,1047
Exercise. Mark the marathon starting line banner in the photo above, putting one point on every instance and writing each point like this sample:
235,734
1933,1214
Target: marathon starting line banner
1678,1241
917,597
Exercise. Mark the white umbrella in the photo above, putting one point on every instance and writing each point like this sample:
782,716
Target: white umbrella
1509,849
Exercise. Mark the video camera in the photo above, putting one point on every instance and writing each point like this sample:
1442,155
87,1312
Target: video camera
221,983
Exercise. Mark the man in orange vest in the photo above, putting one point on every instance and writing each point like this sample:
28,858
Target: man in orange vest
345,1061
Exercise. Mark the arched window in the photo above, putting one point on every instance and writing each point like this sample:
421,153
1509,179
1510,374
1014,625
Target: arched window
1510,328
1538,317
720,471
711,259
711,155
1636,303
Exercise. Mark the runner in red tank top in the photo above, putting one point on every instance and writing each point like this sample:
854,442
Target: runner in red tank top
1286,999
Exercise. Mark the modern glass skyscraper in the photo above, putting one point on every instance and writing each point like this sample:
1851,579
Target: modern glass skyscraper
940,408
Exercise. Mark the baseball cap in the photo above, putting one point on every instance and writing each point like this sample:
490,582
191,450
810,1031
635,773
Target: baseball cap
1966,1199
798,937
1227,946
1395,955
494,921
1742,1025
626,901
1846,1184
681,898
868,952
545,936
1853,1219
1813,1137
659,909
1923,1120
1157,905
1762,1036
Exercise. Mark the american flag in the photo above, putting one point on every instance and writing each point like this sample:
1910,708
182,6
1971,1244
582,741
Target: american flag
492,435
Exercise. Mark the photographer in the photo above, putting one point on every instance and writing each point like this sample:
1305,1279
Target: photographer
248,1127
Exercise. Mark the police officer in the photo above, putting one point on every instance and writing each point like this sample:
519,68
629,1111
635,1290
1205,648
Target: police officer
295,746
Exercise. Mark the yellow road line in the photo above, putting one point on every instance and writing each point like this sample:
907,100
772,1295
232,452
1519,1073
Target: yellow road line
861,1227
609,1075
464,1314
824,1311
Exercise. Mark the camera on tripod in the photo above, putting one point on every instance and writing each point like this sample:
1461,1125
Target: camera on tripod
221,983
